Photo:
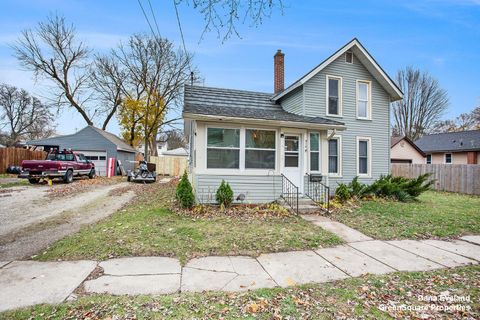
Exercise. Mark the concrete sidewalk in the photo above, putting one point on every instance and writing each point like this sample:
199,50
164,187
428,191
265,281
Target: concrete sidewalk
26,283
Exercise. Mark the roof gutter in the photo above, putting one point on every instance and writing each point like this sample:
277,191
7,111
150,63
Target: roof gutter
277,123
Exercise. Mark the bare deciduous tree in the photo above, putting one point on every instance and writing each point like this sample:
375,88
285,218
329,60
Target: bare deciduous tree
150,69
23,116
52,52
422,105
464,122
223,16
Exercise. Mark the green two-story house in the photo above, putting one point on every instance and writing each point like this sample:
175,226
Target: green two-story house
331,124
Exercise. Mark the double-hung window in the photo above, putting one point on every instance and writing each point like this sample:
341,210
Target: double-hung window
314,152
363,154
334,156
363,99
334,96
448,158
259,149
429,159
223,148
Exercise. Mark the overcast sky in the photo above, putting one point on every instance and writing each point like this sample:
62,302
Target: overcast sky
438,36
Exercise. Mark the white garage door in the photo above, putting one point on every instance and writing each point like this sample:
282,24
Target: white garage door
99,158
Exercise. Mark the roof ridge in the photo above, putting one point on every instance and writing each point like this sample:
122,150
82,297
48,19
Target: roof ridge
237,90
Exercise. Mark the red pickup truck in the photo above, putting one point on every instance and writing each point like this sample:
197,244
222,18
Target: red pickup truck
58,164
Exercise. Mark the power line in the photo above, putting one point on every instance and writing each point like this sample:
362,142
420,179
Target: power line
154,18
146,18
181,31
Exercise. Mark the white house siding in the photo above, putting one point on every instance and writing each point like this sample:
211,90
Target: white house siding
378,128
294,102
256,188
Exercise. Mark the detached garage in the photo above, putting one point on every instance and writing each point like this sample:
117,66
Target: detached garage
96,144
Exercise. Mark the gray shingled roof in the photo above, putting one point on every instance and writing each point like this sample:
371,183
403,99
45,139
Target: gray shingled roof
451,141
241,104
121,145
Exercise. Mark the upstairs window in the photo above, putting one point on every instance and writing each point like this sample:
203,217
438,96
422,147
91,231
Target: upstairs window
429,159
363,99
223,148
334,96
348,57
448,158
259,149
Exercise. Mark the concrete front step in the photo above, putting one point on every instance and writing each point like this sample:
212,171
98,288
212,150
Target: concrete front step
305,205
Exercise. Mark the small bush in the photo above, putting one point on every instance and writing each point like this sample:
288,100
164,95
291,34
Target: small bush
399,188
342,193
356,188
224,194
184,192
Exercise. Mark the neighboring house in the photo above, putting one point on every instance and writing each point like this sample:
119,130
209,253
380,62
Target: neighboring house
162,146
404,150
179,152
96,144
451,147
333,121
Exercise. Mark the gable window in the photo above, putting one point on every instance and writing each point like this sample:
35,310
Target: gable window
223,148
314,152
259,149
363,154
334,156
348,57
363,99
429,159
334,96
448,158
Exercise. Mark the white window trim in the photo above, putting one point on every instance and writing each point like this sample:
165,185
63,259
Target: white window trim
445,158
339,158
369,155
309,164
244,129
426,159
340,96
242,148
239,148
369,102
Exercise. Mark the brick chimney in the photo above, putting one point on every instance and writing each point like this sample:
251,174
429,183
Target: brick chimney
278,71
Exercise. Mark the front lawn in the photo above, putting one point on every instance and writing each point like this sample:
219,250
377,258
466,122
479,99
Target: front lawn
148,227
369,297
434,214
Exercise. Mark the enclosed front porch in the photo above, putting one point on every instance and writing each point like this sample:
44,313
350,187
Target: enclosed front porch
265,164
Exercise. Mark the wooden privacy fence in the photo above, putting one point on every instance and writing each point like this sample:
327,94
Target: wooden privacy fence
15,156
170,165
461,178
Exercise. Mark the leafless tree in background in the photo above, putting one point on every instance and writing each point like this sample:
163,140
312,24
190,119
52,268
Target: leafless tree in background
144,68
23,116
175,138
52,52
223,16
422,105
464,122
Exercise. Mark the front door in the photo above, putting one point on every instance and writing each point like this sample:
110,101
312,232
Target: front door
292,168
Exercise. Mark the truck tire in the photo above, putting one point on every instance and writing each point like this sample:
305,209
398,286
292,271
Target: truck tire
68,178
33,180
91,175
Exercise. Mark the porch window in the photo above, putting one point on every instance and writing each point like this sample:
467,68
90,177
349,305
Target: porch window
363,99
334,96
223,148
259,149
333,156
314,152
